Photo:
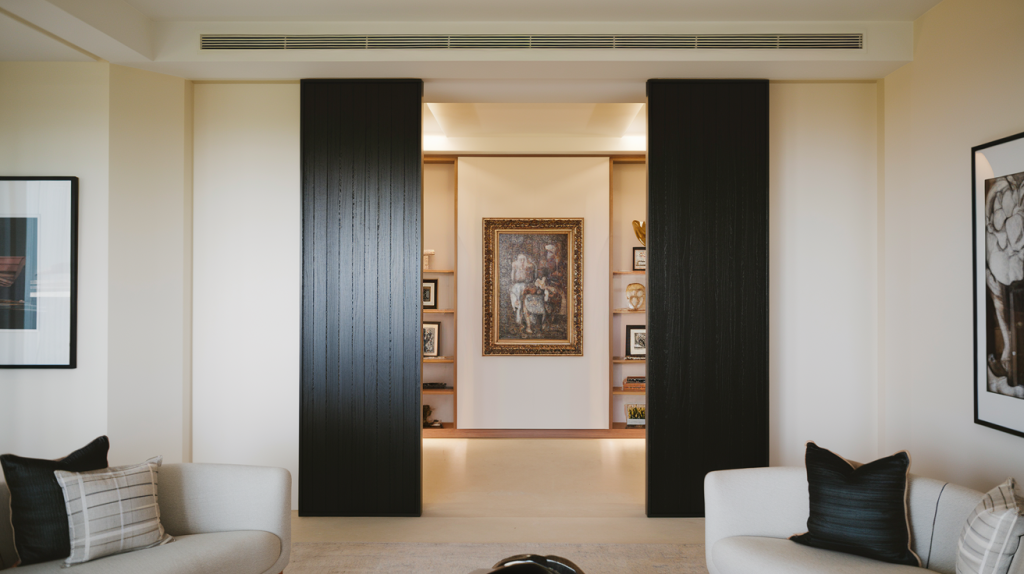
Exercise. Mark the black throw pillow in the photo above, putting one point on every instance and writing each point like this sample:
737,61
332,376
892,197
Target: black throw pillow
38,514
859,509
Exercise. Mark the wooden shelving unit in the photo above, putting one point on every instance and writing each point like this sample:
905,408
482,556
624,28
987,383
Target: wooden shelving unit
622,239
448,282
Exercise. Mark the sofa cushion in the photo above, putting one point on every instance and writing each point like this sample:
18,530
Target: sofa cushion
859,509
113,510
241,552
992,533
38,516
758,555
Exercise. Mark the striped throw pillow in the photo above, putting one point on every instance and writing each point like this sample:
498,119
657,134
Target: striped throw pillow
992,534
112,510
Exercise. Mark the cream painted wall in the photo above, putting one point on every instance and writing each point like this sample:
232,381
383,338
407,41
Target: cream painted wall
823,277
247,277
963,89
150,263
533,392
54,121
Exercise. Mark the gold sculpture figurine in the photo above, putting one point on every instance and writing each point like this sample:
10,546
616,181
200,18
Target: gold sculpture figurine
641,231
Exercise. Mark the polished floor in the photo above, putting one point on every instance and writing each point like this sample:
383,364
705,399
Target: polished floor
521,490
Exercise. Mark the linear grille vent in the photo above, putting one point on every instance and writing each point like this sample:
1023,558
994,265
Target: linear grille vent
534,42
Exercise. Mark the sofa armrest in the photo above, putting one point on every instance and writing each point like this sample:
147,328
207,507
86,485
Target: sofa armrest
771,502
201,498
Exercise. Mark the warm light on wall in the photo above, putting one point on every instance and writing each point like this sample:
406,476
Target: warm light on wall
635,143
435,143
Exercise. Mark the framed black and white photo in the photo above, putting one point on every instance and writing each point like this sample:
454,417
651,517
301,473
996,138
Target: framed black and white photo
38,271
998,180
428,295
431,339
636,340
639,259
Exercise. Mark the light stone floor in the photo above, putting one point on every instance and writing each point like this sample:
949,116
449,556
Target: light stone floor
521,490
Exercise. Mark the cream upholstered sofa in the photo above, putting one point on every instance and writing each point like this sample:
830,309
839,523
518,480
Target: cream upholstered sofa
750,513
225,519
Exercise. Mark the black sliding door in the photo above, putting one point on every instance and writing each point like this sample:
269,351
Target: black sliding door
707,242
359,423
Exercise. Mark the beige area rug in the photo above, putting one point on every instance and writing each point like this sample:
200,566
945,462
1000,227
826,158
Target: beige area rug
401,558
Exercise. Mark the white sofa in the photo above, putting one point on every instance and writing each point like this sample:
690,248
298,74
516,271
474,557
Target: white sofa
751,513
225,519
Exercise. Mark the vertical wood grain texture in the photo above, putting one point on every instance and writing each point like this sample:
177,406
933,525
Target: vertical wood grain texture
707,242
359,435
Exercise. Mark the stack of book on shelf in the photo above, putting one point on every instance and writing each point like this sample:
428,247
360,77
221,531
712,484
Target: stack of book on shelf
634,384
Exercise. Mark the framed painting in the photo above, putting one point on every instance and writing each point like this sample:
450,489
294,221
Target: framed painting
429,294
38,272
533,287
636,340
998,194
431,339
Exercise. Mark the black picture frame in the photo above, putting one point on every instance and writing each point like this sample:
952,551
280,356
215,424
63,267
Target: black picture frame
631,349
435,328
54,343
997,176
639,259
429,286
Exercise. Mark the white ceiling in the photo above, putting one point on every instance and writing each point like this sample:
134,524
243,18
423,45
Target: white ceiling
163,36
534,10
20,42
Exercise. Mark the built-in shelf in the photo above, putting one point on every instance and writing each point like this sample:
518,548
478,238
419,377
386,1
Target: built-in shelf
623,427
629,272
624,361
439,271
448,391
439,310
625,311
439,359
619,391
443,426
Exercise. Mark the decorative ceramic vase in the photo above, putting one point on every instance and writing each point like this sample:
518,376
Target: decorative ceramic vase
636,296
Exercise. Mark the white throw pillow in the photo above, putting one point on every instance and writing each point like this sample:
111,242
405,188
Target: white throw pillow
992,534
112,510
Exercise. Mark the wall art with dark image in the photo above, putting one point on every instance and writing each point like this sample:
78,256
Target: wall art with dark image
19,259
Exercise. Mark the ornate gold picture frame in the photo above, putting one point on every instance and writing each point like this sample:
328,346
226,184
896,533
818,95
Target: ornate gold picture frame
533,287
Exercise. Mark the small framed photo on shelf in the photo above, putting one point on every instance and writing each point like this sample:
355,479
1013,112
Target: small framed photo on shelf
428,295
639,259
636,341
431,339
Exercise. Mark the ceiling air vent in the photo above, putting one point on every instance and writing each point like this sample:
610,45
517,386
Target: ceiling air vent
534,42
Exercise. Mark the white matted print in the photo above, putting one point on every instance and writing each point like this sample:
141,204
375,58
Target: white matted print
636,340
431,339
38,274
998,169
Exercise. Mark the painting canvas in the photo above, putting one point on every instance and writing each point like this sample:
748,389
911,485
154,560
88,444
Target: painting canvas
533,287
38,271
999,284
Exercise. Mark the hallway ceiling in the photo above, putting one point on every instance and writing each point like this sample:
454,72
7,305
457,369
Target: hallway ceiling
534,10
